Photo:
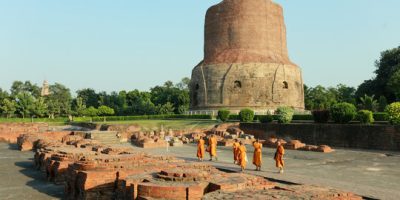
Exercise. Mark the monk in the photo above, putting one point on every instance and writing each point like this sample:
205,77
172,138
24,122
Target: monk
212,147
257,155
200,149
280,151
242,157
235,151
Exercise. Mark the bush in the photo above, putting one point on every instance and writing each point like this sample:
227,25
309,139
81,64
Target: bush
365,117
246,115
234,117
321,116
393,111
265,118
343,112
223,114
381,116
303,117
284,114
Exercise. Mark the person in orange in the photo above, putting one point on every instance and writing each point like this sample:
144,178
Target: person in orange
212,147
242,157
257,155
200,149
235,151
280,151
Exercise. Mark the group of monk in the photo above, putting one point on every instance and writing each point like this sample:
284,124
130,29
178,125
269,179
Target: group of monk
240,153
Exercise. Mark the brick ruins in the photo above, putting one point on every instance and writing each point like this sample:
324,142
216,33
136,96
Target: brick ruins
90,169
246,62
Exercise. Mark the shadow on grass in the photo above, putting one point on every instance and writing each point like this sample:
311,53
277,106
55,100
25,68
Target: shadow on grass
39,181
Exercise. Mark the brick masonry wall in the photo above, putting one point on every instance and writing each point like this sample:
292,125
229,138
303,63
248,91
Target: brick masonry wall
9,132
378,137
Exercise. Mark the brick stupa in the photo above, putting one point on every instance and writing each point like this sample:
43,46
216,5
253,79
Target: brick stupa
246,62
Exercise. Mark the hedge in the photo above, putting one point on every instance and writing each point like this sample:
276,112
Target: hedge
146,117
381,116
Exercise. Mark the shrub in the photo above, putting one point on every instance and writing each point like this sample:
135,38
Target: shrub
321,116
246,115
223,114
284,114
381,116
303,117
393,111
265,118
365,117
343,112
234,117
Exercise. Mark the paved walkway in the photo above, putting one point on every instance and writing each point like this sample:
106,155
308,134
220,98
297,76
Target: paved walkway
371,174
368,173
18,179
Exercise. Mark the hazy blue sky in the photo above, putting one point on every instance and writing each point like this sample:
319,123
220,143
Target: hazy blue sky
127,44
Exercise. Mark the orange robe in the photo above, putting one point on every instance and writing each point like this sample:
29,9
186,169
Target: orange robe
212,145
236,146
257,154
242,156
280,151
200,148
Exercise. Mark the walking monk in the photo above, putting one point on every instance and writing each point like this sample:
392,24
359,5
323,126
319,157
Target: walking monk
280,151
200,149
212,147
236,146
242,161
257,155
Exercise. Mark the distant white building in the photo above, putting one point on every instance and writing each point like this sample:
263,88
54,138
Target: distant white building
45,89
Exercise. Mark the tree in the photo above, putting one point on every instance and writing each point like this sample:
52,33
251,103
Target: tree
140,103
105,111
393,85
91,112
386,67
18,87
161,95
346,94
184,84
79,106
59,101
24,102
166,109
39,107
319,98
8,107
382,103
369,103
89,96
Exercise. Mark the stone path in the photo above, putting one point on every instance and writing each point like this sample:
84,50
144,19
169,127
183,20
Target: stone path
368,173
20,181
372,174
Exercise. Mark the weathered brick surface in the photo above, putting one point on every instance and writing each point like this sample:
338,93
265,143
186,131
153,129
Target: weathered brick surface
246,61
9,132
90,170
377,136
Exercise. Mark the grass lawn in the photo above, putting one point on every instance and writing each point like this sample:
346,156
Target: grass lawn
168,124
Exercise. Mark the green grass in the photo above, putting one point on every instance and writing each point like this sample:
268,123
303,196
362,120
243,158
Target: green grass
51,122
168,124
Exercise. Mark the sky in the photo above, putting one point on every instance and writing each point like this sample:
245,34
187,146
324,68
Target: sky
131,44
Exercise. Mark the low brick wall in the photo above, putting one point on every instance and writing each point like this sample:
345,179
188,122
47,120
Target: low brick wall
9,132
378,137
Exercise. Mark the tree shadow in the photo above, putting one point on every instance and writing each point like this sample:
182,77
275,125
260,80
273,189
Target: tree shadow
39,181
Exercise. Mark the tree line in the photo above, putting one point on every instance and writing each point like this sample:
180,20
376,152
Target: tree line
24,100
373,94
